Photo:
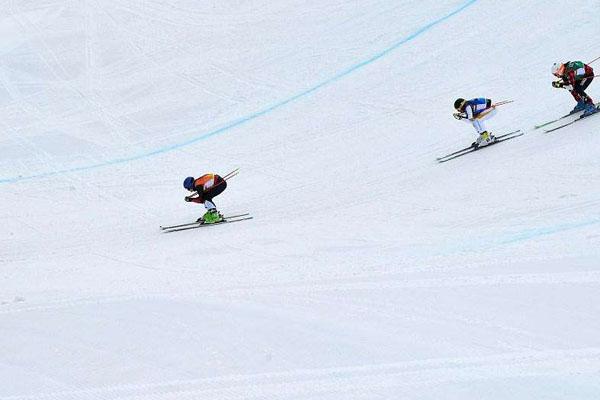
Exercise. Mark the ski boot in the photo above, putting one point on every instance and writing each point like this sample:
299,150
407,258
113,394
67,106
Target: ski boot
212,216
484,139
590,108
579,107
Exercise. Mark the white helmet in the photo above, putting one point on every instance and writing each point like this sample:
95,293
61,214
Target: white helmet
557,69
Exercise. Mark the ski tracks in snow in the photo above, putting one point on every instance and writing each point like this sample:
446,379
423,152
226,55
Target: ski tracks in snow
225,127
307,287
359,380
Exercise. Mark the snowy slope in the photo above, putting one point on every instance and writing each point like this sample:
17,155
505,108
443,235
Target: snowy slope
369,271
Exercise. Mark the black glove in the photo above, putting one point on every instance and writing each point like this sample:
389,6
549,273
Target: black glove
188,198
558,84
459,116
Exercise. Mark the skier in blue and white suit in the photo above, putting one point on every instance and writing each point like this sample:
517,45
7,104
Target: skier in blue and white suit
476,111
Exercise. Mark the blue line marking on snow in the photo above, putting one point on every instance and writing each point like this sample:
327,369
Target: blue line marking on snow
250,117
507,239
550,230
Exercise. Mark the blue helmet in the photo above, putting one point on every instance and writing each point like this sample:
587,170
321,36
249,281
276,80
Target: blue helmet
188,183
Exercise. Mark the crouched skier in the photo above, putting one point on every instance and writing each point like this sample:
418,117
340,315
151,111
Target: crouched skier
476,111
206,188
575,76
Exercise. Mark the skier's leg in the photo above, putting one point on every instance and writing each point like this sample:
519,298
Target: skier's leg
212,193
209,205
210,208
579,91
575,95
485,137
482,133
586,82
477,122
587,103
211,215
217,189
580,102
583,85
478,125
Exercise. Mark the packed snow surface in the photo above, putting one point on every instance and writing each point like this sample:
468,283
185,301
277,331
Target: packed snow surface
369,271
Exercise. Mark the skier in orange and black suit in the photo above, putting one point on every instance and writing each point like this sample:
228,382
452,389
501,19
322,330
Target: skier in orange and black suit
206,188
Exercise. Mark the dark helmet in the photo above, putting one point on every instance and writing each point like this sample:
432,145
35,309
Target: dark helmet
188,183
459,104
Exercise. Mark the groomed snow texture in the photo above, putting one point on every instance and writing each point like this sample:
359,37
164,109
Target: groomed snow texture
369,271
